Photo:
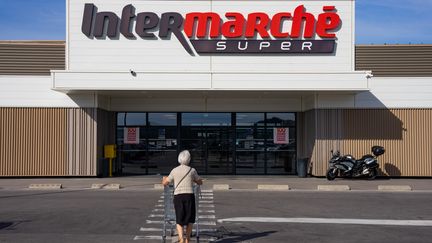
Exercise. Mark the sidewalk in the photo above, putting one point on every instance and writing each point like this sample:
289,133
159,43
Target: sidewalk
234,182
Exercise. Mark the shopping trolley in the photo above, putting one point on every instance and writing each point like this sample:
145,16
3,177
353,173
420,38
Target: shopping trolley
169,222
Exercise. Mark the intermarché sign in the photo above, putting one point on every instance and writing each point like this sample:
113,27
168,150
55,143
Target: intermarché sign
209,34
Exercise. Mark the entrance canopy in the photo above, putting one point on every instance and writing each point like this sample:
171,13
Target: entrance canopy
66,81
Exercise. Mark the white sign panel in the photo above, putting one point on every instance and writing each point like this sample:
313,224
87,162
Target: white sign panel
281,135
211,36
131,135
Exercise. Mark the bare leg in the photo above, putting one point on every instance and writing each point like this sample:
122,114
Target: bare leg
188,232
180,232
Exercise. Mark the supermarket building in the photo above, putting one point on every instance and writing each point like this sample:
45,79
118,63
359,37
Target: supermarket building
249,87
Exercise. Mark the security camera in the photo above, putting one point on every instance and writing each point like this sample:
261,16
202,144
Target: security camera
132,72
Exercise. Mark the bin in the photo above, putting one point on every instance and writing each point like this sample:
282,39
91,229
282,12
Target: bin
302,165
104,167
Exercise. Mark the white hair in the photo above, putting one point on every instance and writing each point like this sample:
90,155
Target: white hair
184,157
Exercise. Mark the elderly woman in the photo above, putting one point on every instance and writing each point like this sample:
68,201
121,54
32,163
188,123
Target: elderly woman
184,199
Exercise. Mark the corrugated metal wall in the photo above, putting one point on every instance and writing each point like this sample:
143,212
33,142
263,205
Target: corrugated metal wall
31,57
395,60
48,142
33,141
39,57
82,138
405,133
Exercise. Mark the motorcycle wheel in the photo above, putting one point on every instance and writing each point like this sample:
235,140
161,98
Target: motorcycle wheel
373,174
331,174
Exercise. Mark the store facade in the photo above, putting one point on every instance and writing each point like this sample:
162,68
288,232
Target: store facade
249,87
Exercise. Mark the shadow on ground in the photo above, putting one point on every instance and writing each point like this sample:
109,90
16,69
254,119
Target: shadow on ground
239,234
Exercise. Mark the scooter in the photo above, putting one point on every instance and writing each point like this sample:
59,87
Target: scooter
348,166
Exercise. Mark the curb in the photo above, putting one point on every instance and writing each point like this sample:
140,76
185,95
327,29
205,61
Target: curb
97,186
112,187
333,188
273,187
394,188
45,186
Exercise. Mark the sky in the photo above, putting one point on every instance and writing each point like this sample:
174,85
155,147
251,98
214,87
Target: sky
377,21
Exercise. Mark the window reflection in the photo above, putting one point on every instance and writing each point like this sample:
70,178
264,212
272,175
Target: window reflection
162,119
131,119
206,119
250,119
281,119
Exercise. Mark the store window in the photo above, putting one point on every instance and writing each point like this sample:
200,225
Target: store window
162,142
206,119
250,143
281,143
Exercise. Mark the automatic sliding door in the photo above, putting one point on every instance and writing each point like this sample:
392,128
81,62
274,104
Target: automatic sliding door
219,150
194,140
209,138
162,142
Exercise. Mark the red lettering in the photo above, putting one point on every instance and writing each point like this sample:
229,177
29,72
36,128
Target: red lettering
233,28
257,22
299,15
277,25
203,20
327,22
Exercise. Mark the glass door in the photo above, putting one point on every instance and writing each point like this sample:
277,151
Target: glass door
209,137
219,145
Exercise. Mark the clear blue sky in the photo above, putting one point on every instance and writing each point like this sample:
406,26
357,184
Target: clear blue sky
377,21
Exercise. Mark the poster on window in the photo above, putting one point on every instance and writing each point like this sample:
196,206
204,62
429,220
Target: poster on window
280,135
131,135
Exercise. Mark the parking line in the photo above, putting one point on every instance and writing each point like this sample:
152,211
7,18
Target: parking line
330,221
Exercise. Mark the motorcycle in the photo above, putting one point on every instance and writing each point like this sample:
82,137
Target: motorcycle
348,166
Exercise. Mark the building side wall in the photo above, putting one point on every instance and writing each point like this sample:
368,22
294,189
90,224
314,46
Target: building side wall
47,142
35,91
33,142
81,140
405,134
31,57
395,60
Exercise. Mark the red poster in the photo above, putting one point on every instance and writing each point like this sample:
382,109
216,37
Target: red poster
131,135
280,135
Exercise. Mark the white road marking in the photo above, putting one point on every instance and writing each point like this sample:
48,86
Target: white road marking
160,201
169,238
206,211
154,221
207,223
206,206
158,210
206,191
207,217
144,229
150,229
205,201
156,216
330,221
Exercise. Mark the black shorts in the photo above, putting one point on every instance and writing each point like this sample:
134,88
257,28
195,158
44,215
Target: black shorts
184,205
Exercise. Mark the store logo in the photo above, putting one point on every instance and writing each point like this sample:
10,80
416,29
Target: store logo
206,29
